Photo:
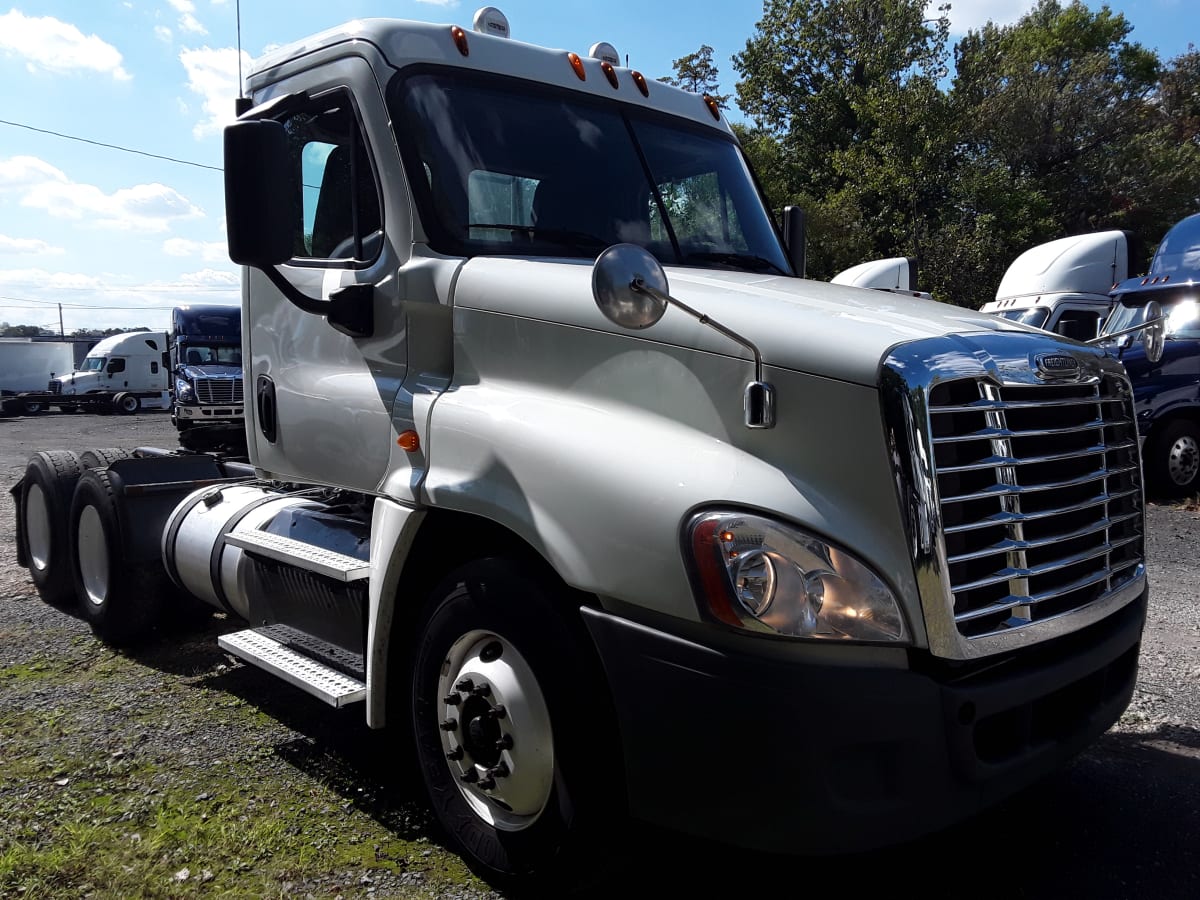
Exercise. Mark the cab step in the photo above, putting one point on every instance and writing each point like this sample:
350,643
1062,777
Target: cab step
295,553
325,683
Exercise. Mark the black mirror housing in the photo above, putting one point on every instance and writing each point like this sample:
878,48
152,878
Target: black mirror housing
794,225
257,203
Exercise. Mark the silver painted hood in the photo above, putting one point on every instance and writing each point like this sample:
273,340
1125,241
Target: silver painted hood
808,326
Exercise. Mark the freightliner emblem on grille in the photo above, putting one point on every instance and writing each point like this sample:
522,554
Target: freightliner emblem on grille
1057,365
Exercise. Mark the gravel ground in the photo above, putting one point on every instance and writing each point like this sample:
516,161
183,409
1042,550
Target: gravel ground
174,771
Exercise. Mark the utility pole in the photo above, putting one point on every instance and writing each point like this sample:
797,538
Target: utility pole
61,332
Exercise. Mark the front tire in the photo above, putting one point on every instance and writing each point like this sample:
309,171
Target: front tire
45,499
1174,461
514,730
121,600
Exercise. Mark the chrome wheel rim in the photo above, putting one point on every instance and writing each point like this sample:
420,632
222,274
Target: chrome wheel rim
495,731
92,553
1183,460
37,527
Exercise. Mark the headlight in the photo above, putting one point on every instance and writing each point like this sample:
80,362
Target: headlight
183,389
765,576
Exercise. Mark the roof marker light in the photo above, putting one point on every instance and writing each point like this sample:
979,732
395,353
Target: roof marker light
489,20
460,40
712,107
577,65
640,80
610,73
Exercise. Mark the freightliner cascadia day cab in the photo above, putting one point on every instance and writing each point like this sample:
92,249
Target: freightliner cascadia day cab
207,404
122,373
556,466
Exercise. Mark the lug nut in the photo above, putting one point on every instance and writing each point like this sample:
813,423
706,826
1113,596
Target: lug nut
505,742
466,685
452,699
497,712
487,784
500,770
450,725
481,690
455,755
491,652
470,776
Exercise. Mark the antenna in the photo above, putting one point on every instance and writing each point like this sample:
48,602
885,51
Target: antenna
243,102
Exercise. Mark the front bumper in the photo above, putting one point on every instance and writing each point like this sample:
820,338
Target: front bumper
209,415
799,758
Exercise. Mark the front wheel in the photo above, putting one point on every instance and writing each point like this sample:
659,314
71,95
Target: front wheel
1173,461
514,731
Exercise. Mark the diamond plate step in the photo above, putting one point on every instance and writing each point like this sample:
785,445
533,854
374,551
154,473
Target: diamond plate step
295,668
309,557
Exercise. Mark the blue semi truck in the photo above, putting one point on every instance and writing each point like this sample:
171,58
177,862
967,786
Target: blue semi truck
207,405
1166,392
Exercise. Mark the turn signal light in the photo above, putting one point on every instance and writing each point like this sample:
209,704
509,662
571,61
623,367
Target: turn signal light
409,441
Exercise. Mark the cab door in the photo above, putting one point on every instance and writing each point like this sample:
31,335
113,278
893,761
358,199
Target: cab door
319,402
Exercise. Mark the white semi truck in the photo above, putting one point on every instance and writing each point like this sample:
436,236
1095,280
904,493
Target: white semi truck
558,469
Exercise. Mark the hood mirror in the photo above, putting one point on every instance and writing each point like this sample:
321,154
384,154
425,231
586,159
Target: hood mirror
618,269
1156,331
630,288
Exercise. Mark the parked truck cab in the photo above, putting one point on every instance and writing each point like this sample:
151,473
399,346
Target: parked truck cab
557,464
133,366
207,386
1166,391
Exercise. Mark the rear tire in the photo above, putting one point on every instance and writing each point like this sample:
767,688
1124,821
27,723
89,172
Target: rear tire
33,407
522,765
122,601
126,404
102,457
45,499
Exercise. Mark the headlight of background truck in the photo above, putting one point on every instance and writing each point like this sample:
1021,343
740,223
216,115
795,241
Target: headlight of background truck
765,576
183,389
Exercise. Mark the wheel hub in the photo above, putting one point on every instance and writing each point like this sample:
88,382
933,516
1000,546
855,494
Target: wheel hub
37,527
1183,461
495,731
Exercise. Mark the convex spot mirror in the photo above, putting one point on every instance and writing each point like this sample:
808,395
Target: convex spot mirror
617,279
1155,336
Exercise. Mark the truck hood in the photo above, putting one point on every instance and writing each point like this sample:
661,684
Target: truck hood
80,382
213,371
809,326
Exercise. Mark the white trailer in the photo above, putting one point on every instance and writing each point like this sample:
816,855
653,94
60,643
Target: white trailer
29,365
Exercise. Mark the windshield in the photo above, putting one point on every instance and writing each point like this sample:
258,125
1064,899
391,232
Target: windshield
92,364
1178,256
1182,312
212,355
498,167
1035,315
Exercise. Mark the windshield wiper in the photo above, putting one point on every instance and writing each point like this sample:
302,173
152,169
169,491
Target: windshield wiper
740,260
578,240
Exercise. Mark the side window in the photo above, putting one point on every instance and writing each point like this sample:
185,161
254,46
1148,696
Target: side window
1078,324
336,212
153,368
702,214
500,206
116,365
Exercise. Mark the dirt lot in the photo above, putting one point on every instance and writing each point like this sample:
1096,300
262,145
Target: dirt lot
174,771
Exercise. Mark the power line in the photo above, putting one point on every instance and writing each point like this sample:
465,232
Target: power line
71,137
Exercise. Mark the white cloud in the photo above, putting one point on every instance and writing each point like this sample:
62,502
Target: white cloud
208,251
230,278
163,33
971,15
56,46
143,207
445,3
49,281
187,19
213,74
10,246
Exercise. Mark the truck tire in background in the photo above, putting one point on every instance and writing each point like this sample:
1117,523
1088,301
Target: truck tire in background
126,404
1173,460
120,600
33,407
44,497
102,457
508,705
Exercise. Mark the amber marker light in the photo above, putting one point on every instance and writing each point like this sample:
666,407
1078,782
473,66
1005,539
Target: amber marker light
409,441
640,80
610,73
460,40
712,107
577,65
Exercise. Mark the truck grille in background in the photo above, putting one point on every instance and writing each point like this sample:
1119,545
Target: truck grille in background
55,387
1040,497
219,390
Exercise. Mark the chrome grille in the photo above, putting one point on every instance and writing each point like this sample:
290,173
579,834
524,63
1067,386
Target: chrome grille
1039,494
55,386
219,390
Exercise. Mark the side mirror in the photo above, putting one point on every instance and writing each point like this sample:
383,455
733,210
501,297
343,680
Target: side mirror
614,278
1155,336
257,201
794,236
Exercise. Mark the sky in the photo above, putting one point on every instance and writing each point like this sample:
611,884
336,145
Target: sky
118,238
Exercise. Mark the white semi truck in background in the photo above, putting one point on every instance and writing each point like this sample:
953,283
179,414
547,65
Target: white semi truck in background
558,467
